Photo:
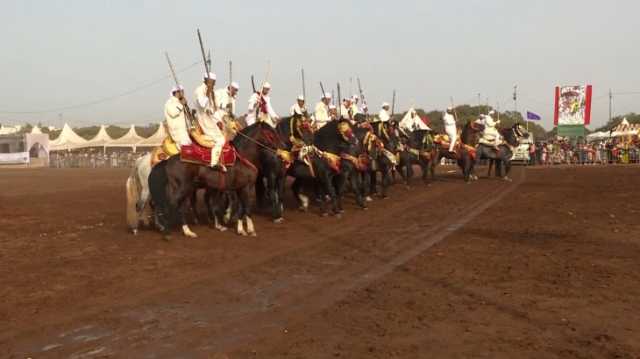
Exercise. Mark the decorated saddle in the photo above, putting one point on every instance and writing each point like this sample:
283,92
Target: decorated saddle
195,153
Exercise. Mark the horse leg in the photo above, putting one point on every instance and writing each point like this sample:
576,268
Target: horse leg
193,206
272,186
331,192
372,180
303,201
386,181
245,202
507,169
357,186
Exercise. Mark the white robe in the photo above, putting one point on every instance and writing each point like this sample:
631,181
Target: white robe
490,134
297,110
411,122
209,122
321,115
450,129
384,115
176,122
270,117
225,100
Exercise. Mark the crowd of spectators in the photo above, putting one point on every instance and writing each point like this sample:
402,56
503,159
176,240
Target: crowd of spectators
561,151
93,159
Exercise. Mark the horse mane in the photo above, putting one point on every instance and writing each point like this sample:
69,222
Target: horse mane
260,132
328,137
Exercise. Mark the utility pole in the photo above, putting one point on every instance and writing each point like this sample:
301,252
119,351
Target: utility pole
479,101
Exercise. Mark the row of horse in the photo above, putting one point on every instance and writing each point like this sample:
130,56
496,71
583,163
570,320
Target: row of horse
325,164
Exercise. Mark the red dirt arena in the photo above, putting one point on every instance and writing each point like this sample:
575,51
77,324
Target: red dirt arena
547,266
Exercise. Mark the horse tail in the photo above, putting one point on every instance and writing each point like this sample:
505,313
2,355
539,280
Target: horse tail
133,195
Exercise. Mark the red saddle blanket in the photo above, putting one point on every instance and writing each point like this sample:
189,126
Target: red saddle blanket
194,153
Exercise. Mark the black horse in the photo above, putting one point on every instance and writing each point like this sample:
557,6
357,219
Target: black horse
384,148
354,166
465,150
504,152
420,150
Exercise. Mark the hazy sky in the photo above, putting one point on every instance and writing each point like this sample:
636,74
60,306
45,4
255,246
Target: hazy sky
64,53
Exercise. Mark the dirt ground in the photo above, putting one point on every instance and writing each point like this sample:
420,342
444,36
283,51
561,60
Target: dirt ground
547,266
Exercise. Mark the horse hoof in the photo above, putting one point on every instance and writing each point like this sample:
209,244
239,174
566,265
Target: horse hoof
508,179
325,214
242,233
369,199
253,234
278,220
222,229
365,208
338,216
134,231
303,209
166,238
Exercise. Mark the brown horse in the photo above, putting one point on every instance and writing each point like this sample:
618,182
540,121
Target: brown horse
181,179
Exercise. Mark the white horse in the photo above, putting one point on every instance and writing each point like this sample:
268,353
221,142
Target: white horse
138,209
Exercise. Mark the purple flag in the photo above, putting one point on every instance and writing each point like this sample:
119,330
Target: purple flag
533,117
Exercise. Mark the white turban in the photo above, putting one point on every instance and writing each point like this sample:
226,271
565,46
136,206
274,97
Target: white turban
449,108
332,107
385,104
300,98
355,97
211,76
327,95
492,112
235,85
266,85
176,89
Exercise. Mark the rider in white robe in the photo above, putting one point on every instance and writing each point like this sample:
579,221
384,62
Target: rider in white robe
412,121
490,134
299,108
210,123
384,115
321,114
175,118
450,127
260,108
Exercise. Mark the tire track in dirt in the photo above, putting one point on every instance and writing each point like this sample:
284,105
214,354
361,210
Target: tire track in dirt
220,313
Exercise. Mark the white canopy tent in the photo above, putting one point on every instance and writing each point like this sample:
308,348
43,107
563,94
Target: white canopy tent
129,139
596,136
35,130
155,139
68,140
101,139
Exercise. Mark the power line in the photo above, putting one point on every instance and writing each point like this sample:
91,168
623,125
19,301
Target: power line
103,99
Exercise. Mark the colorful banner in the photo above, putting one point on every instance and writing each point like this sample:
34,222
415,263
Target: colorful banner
572,105
533,116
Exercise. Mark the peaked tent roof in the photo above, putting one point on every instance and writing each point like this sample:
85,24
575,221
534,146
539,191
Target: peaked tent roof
155,139
129,139
36,130
68,140
101,139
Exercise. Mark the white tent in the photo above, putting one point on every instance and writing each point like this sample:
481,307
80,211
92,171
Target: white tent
36,130
129,139
68,140
155,139
101,139
597,136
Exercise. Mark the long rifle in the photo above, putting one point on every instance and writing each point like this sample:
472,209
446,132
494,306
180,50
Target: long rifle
453,106
187,111
211,96
304,88
393,104
253,85
339,103
322,89
364,102
230,72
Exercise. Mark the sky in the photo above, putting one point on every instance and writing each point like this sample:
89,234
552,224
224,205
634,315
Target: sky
94,62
